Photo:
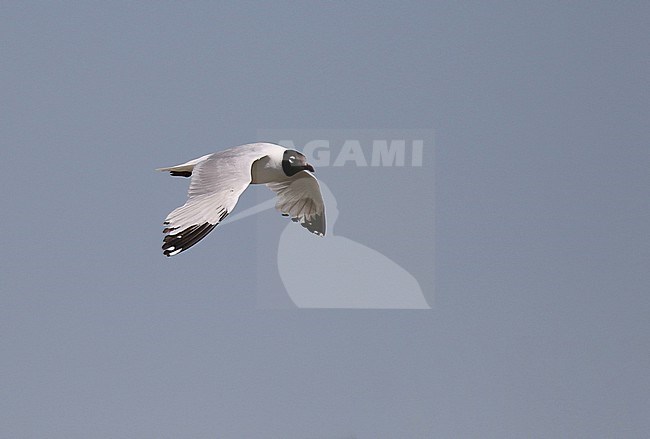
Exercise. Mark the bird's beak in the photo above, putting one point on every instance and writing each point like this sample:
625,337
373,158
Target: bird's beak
309,167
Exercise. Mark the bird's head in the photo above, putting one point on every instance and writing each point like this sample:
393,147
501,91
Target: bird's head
294,162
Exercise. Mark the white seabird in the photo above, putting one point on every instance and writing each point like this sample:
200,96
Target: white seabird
219,179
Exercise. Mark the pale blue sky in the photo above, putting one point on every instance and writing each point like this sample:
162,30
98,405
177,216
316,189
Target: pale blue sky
540,324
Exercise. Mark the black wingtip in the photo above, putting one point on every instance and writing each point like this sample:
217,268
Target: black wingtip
178,243
181,173
181,241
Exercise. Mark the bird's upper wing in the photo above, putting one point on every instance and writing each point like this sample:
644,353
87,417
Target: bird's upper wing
217,182
300,197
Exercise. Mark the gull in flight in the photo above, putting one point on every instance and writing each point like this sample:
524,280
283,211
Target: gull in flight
219,179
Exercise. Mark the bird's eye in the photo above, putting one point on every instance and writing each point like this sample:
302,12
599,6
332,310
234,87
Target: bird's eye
292,158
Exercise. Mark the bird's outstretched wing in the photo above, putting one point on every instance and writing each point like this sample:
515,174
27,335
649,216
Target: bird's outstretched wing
215,187
301,198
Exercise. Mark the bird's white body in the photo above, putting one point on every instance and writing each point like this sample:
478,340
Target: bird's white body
269,168
264,170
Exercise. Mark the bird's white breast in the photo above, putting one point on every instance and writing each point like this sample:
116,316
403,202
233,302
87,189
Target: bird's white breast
268,168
